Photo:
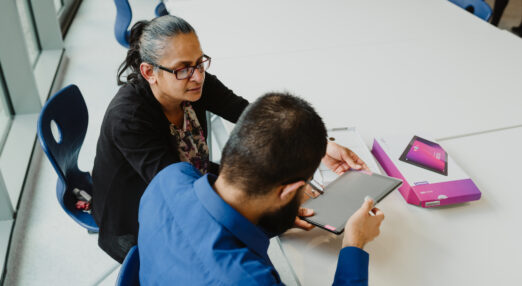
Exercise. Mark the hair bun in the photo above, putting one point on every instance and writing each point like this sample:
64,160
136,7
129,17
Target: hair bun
135,33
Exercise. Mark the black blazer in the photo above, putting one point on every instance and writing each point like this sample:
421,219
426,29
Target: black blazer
134,145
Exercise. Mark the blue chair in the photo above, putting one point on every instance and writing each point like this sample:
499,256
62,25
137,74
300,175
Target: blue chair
124,17
130,269
479,8
123,20
161,10
67,110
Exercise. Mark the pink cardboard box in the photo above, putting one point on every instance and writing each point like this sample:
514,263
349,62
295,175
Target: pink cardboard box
430,176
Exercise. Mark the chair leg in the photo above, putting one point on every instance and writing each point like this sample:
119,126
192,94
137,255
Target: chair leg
498,10
517,30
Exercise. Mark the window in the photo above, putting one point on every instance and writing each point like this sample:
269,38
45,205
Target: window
5,111
58,4
29,33
65,10
29,61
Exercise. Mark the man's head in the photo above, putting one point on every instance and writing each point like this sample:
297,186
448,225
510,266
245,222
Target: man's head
277,144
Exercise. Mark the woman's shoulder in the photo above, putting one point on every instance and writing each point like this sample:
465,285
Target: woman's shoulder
131,102
131,97
129,94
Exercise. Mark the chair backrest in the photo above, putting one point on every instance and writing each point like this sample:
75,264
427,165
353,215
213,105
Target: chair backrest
123,20
67,111
130,269
66,114
161,10
479,8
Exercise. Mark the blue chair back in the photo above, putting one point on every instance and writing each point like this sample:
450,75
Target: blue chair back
479,8
123,20
130,269
68,112
161,10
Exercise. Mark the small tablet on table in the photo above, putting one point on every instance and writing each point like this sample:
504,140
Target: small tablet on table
426,154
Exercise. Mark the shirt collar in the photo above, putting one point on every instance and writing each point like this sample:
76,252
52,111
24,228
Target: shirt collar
237,224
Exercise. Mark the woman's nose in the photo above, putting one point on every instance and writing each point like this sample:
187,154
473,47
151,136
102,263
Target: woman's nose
197,76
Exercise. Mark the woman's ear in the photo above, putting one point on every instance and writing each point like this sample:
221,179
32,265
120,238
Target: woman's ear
147,71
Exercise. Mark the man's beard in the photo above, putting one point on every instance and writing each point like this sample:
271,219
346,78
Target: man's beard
279,221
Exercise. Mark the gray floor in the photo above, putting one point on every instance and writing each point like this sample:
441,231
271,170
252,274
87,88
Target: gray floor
48,248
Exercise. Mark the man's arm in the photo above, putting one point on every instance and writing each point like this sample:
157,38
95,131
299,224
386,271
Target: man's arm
361,228
352,267
220,100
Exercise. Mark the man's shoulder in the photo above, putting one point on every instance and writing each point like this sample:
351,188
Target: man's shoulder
223,268
181,172
170,191
172,181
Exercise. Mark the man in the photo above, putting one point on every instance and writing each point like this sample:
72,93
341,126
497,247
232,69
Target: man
208,230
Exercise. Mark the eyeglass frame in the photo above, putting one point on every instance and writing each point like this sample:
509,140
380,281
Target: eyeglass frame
191,73
317,188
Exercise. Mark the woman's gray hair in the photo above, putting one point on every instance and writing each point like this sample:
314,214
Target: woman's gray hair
148,40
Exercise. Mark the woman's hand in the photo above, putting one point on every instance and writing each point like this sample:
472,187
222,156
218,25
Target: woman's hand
340,159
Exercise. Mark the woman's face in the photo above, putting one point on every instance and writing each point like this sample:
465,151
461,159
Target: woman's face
181,51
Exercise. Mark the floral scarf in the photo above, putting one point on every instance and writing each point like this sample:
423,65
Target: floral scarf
191,141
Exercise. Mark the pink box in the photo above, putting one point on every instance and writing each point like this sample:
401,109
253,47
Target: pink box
422,184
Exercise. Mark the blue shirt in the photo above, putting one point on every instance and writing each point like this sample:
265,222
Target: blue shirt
189,236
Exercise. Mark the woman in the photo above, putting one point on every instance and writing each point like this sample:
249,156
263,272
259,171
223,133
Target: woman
158,118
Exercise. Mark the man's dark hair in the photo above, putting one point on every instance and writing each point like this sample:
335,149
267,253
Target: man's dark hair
279,139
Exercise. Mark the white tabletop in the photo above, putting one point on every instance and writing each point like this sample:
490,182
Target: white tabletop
391,67
232,28
383,66
430,86
476,243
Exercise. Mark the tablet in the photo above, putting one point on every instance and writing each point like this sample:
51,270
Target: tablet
426,154
344,196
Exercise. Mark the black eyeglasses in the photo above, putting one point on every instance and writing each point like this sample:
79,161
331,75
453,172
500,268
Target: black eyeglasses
187,72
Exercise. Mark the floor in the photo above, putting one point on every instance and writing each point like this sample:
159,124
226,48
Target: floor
48,248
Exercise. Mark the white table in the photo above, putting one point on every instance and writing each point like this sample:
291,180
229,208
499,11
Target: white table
476,243
383,67
391,67
234,28
426,85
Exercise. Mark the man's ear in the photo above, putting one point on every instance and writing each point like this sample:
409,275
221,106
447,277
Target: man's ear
288,190
147,71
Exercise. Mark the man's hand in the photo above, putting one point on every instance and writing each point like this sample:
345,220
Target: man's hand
362,227
299,223
340,159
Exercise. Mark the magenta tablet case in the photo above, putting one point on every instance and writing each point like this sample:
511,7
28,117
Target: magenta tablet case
428,195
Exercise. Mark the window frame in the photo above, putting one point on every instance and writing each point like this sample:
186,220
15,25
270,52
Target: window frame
27,87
